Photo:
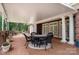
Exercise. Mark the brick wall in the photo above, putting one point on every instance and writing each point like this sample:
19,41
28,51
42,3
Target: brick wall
77,25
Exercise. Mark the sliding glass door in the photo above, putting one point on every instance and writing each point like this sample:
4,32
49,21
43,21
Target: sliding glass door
50,27
55,29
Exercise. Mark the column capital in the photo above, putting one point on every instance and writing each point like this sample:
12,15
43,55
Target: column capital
63,17
32,20
70,15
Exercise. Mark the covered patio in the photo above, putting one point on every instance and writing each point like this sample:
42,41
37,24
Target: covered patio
41,18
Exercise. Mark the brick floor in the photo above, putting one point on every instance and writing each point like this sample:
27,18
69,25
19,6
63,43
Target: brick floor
19,48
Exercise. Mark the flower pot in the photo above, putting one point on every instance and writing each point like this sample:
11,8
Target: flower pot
5,47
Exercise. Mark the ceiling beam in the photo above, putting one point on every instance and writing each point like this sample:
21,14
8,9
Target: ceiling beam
69,6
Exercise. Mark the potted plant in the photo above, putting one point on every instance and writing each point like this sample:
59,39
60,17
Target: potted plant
5,46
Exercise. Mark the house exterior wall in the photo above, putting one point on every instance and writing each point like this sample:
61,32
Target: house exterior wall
77,28
55,27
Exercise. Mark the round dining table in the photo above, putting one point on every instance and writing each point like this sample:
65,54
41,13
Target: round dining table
40,36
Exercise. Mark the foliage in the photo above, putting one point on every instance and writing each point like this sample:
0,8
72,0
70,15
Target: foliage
21,27
0,22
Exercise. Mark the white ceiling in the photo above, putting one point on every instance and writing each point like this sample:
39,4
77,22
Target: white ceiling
23,11
76,6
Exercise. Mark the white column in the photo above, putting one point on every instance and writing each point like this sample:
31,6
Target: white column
7,25
33,25
3,18
71,30
31,28
2,23
35,28
63,30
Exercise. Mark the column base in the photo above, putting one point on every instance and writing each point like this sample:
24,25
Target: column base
71,43
63,41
